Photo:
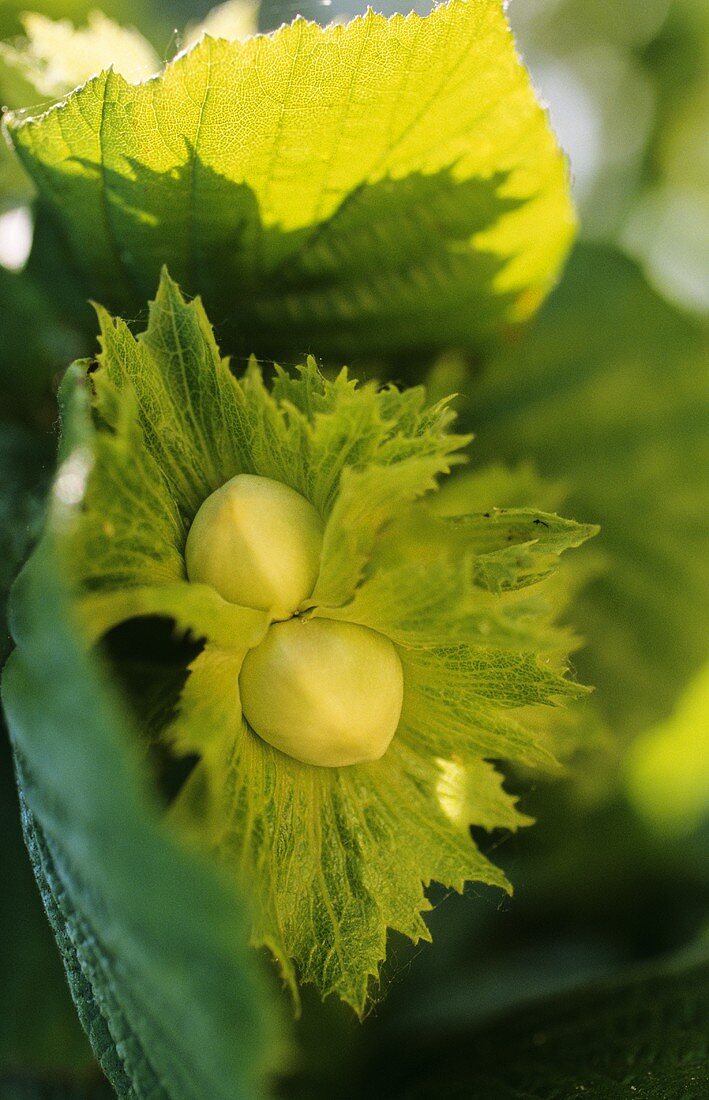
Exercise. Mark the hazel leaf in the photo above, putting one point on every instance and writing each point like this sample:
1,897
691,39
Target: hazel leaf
359,189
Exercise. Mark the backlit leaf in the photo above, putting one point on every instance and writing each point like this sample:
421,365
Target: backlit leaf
384,186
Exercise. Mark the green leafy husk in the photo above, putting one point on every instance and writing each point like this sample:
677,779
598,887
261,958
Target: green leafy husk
332,858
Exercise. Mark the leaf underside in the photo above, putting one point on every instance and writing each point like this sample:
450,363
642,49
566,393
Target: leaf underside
138,960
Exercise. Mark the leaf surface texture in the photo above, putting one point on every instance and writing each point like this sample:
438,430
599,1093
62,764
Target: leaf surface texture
361,189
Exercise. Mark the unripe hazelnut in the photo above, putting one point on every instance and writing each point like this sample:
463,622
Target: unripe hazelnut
325,692
258,543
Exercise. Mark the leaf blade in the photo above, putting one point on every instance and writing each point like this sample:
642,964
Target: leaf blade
643,1032
144,952
384,182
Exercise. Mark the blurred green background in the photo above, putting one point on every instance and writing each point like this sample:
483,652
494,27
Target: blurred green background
616,873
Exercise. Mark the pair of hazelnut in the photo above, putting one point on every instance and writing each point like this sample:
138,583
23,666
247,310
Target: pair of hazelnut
321,690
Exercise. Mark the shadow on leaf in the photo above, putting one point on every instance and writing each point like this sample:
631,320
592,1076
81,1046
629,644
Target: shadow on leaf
393,274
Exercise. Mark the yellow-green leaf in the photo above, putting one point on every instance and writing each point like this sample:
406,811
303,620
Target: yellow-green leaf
384,186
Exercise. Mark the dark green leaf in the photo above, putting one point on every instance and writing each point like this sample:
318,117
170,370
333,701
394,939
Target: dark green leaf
154,945
39,1028
25,460
641,1037
44,322
33,1086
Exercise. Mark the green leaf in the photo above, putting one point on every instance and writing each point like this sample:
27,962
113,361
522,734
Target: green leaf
37,341
640,1035
475,793
458,700
366,501
331,857
518,547
578,734
154,944
385,185
22,1086
15,186
609,392
52,58
40,1031
24,461
39,1027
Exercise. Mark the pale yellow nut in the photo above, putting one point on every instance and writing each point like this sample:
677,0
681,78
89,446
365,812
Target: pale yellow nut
325,692
258,543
